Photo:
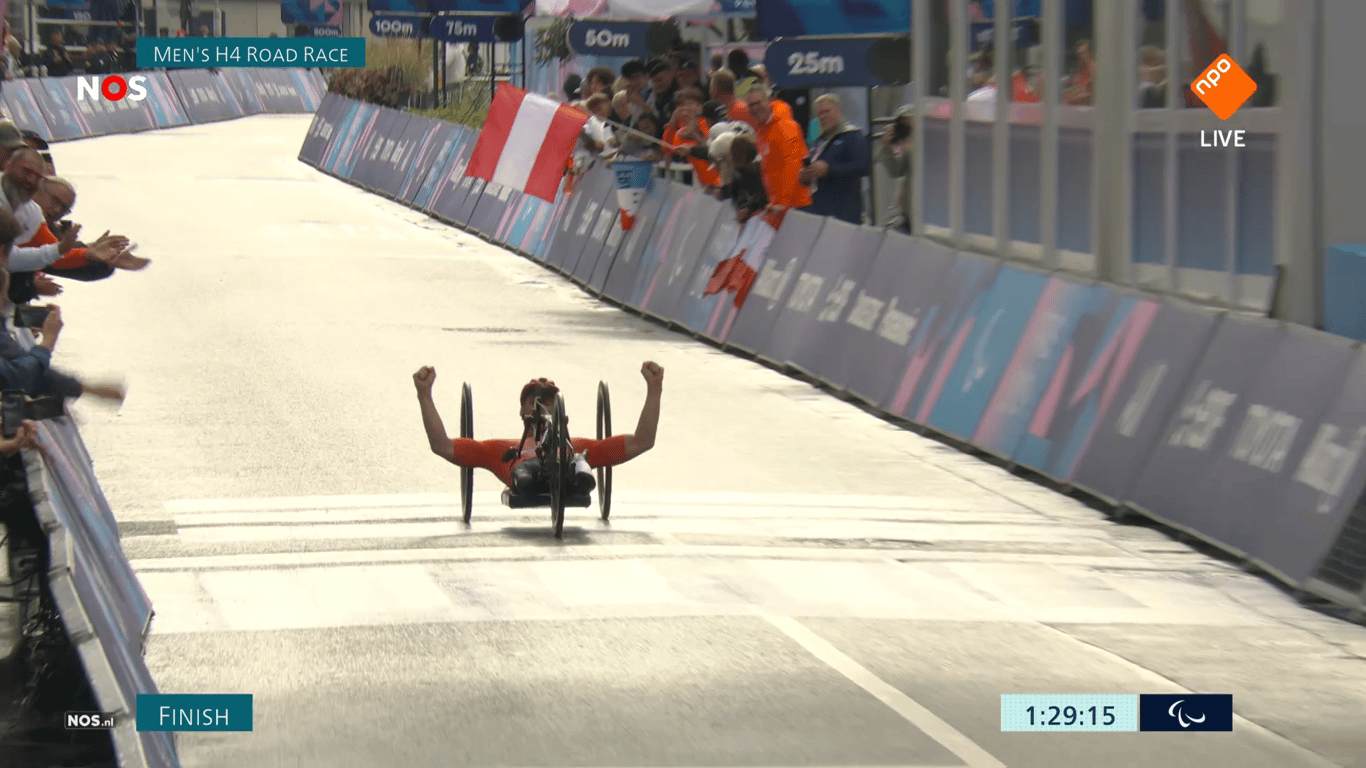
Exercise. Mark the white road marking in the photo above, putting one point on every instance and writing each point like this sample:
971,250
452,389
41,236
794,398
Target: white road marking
926,721
1156,683
468,554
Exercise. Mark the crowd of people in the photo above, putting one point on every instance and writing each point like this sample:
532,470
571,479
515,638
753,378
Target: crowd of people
736,134
42,248
94,57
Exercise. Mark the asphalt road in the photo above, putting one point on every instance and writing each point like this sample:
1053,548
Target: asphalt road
786,581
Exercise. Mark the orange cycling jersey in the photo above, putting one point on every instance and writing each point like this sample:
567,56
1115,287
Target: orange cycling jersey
488,454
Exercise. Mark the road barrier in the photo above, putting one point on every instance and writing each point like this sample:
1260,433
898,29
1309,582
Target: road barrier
1245,433
106,613
58,109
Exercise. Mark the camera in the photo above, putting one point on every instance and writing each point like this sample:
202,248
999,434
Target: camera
15,408
30,317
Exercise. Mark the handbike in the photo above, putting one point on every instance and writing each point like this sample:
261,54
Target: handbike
556,454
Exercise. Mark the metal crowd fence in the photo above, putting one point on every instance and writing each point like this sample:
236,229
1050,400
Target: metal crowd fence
53,108
104,610
1245,433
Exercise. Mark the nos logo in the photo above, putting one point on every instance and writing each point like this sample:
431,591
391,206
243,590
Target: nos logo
112,88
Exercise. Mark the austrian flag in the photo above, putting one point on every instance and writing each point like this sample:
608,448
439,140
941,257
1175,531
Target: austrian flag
526,142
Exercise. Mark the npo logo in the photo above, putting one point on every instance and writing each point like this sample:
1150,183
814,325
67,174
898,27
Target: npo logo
112,88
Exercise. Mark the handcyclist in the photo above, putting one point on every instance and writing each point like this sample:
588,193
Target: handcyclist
514,462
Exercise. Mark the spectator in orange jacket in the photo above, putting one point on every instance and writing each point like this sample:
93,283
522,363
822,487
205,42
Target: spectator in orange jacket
686,131
56,197
723,90
781,151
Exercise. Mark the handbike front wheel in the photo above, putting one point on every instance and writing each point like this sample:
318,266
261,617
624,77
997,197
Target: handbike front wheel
467,431
559,465
604,432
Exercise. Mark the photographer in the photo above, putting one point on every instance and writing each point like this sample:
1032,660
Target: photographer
894,153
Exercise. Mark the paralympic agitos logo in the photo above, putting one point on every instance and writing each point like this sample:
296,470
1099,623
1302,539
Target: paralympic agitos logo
111,88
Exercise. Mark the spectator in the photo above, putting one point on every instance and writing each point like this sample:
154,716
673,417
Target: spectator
836,165
474,63
737,61
55,198
714,112
639,147
1079,85
781,150
25,369
128,53
204,31
894,152
687,130
634,72
55,59
745,189
718,63
723,90
97,60
598,80
595,131
20,180
662,88
689,76
571,88
621,108
16,60
34,141
1152,77
782,108
11,141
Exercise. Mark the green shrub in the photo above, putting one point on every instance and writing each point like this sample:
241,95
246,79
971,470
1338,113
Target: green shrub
394,74
468,105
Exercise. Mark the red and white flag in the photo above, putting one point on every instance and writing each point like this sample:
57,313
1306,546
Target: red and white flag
526,142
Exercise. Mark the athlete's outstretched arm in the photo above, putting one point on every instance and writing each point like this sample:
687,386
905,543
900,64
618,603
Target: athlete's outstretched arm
431,420
643,439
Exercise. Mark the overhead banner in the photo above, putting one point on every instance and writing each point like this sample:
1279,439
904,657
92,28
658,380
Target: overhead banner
833,62
321,12
393,25
646,9
602,37
792,18
462,29
398,6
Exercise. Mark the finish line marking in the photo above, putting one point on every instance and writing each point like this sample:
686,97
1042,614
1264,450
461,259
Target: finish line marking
930,724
